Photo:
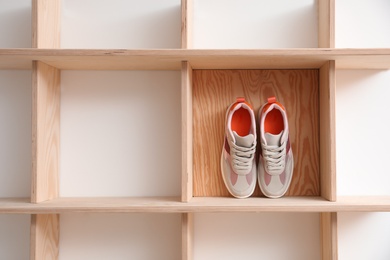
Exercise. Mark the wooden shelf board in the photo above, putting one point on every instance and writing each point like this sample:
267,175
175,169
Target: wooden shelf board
290,204
196,205
170,59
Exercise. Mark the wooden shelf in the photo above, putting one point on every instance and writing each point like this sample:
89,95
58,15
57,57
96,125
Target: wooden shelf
196,205
312,100
62,205
73,59
291,204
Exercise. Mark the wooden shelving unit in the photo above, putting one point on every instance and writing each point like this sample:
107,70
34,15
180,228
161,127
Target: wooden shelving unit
312,120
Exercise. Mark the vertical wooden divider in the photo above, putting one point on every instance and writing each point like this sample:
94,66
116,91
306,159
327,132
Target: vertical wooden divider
44,236
187,235
46,23
186,130
187,158
186,24
187,153
326,23
329,235
328,159
326,39
327,131
46,132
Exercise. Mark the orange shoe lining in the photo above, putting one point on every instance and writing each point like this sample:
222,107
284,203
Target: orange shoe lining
241,122
273,122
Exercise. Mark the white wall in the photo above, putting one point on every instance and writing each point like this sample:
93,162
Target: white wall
257,236
364,236
120,236
362,120
362,126
230,24
362,24
14,236
361,114
15,130
136,151
15,134
121,24
15,24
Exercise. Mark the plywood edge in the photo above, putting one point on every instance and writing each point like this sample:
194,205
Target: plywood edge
328,131
187,135
186,24
328,222
326,24
196,205
170,59
45,132
187,236
44,236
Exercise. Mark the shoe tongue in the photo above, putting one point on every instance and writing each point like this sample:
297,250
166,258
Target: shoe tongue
244,141
271,139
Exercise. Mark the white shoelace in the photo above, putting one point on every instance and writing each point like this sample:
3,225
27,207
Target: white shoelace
274,157
242,157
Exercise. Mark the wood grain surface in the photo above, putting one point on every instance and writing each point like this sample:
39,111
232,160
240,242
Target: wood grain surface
44,236
327,112
326,24
45,132
329,237
186,24
187,236
170,59
46,23
215,90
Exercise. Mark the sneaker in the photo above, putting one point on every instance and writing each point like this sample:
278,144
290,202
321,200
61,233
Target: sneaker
238,164
276,161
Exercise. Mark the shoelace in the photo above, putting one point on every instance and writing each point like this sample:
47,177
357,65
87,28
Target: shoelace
274,157
242,157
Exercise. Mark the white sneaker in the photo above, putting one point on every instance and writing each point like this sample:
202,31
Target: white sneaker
238,164
276,162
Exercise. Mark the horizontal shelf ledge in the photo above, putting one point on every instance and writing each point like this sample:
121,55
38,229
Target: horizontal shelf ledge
170,59
196,205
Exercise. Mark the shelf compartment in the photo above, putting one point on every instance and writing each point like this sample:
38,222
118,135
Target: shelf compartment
15,133
120,236
15,24
14,236
147,24
362,174
214,90
254,24
367,18
368,230
275,235
120,133
119,59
